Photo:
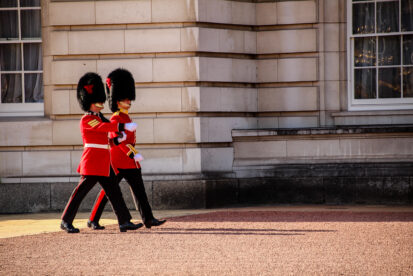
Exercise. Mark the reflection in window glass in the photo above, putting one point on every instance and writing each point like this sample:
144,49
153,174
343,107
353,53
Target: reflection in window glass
383,51
33,88
10,57
363,18
29,3
32,56
389,50
20,61
9,25
8,3
387,17
408,82
30,24
365,51
389,83
408,49
407,15
11,88
365,83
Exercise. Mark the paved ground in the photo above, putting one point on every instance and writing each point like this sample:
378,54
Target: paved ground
30,224
303,240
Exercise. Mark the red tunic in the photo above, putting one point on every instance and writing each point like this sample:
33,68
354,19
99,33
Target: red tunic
121,155
95,158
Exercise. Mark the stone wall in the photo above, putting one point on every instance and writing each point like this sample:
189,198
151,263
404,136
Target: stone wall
325,183
202,68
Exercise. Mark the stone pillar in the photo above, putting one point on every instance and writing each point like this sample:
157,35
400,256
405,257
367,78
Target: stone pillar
333,59
287,59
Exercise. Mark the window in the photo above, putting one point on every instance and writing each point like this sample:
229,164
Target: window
381,54
21,79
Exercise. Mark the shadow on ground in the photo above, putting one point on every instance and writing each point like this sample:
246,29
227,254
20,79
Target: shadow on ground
291,216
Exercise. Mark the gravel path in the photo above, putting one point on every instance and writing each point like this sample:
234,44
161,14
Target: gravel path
226,243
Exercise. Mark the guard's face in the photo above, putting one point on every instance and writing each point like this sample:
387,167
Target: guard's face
124,104
96,107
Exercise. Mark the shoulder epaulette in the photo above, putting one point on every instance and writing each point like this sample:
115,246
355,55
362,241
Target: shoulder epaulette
93,123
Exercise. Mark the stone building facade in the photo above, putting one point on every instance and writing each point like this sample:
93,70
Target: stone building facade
236,102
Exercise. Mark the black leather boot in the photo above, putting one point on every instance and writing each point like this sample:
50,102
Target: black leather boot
154,222
129,226
68,227
95,225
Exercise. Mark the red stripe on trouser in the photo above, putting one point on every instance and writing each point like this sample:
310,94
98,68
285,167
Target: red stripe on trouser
71,198
97,204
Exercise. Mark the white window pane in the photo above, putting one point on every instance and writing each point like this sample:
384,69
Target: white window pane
389,83
33,88
389,50
365,83
407,15
9,25
32,56
11,88
10,57
365,51
387,17
363,18
30,24
408,82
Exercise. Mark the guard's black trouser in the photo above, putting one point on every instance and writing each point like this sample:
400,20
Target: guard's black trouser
134,178
112,190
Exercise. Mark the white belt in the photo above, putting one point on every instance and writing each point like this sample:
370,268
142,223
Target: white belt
99,146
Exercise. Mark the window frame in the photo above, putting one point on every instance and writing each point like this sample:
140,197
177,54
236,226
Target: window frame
378,103
24,108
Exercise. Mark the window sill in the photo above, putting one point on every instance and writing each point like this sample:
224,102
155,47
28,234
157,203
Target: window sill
22,110
388,117
372,113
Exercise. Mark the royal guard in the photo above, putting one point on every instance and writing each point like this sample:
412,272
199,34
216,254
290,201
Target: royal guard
120,88
95,162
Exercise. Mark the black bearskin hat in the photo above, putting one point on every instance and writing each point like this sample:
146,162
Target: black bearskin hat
120,85
90,90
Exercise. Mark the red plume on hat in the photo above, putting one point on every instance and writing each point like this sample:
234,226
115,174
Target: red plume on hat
120,85
90,90
108,83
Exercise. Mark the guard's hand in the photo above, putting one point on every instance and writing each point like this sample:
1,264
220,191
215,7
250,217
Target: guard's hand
122,137
131,127
138,157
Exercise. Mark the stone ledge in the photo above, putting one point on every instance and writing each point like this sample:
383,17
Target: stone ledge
372,113
383,117
337,130
24,119
252,164
348,169
355,144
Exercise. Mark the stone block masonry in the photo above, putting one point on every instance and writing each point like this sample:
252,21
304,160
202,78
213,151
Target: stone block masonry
203,68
